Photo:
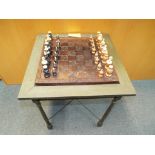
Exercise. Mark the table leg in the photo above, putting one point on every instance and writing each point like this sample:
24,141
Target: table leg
100,122
38,103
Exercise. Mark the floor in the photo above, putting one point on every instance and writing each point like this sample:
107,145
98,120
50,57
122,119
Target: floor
131,115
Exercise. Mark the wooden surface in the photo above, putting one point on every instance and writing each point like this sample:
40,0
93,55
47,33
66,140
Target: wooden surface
134,40
75,65
30,91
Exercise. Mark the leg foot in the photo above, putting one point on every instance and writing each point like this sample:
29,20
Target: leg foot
38,104
100,122
50,126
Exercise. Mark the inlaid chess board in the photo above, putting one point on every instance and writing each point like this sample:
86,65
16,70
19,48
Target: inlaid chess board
75,65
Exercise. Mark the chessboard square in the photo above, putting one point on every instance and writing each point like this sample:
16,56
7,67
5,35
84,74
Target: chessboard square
71,44
62,63
71,48
64,48
71,58
88,63
72,63
80,63
71,53
63,52
79,48
64,44
63,58
63,68
79,58
79,52
88,57
72,68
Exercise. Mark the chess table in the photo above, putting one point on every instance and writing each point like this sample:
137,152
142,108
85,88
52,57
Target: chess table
76,78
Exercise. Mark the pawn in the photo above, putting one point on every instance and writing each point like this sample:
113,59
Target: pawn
56,59
99,66
104,58
44,62
96,54
54,71
58,44
96,60
103,42
108,63
46,42
45,67
104,47
54,64
93,50
101,73
91,38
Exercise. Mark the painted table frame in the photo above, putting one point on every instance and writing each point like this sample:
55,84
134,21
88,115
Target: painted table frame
37,93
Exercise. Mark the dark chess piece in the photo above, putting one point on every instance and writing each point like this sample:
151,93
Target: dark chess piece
56,59
54,71
47,75
55,65
49,34
46,70
47,57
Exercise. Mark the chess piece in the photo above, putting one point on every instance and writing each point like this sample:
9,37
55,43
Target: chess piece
99,36
54,71
104,58
99,66
44,62
45,67
93,50
47,75
104,47
92,44
55,64
49,34
103,42
91,38
47,47
56,59
96,54
109,70
96,59
58,44
108,63
101,73
46,42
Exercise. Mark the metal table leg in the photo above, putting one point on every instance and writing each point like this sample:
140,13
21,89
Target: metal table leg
100,122
38,103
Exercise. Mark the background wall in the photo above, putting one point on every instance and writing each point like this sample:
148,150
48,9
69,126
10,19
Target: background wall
133,39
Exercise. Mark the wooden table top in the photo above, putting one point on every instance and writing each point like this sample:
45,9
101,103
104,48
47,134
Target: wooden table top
31,91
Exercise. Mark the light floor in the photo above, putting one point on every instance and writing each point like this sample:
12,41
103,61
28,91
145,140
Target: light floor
131,115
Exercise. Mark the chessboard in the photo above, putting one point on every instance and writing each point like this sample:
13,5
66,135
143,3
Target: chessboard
75,65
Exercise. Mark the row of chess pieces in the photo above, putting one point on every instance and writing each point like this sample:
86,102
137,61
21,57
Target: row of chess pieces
48,53
101,57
